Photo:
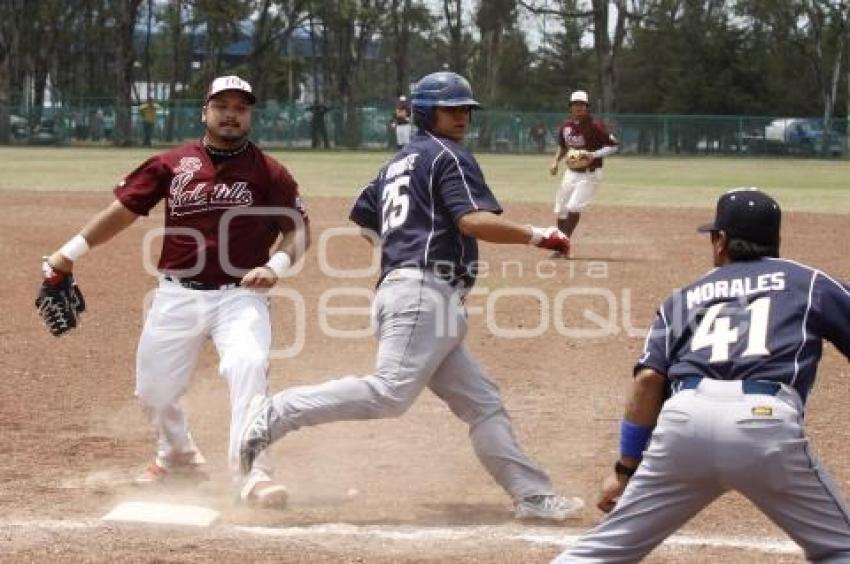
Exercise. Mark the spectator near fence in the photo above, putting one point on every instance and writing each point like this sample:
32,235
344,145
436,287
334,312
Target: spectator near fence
80,129
108,123
148,111
537,135
318,129
96,124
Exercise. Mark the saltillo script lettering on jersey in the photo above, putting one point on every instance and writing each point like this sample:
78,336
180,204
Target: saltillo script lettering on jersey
197,194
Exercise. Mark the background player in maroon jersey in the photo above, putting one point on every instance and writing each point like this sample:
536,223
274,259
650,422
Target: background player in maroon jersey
220,251
579,184
400,123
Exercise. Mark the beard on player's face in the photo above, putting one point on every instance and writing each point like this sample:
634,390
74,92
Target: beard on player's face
230,133
227,118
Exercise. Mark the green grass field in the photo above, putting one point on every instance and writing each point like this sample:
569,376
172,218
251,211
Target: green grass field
799,184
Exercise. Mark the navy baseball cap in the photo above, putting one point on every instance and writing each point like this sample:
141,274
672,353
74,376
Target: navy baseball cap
748,214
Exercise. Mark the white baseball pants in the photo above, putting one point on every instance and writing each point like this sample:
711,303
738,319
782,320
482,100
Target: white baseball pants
577,191
177,325
402,134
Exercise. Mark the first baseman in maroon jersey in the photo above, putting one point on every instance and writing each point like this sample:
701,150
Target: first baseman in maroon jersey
197,192
234,223
590,141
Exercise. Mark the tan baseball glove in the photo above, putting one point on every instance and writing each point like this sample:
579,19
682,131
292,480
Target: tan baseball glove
578,158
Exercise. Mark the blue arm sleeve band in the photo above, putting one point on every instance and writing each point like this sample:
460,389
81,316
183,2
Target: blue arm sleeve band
633,439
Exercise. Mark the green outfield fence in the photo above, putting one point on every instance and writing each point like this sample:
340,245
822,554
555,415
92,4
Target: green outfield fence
293,126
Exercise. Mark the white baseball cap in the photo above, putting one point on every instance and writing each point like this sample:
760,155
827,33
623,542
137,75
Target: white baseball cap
232,82
579,96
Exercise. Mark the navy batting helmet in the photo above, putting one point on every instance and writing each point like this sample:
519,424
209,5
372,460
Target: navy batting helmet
439,89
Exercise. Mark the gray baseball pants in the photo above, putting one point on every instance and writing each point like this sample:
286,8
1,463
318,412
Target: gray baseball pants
421,324
714,439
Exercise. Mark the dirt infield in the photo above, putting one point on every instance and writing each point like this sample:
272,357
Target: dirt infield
72,434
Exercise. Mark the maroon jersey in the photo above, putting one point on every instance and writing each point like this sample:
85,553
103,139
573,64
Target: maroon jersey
587,134
197,194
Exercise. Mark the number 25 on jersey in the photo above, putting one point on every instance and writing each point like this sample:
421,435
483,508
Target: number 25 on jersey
716,331
395,203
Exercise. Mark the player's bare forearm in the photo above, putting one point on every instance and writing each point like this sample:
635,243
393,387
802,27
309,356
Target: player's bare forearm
295,242
294,239
644,403
108,223
642,408
100,229
493,228
646,398
559,154
289,247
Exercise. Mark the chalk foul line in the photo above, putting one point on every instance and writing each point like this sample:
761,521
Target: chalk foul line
547,536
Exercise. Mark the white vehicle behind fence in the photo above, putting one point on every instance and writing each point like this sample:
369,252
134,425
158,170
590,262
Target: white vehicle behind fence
795,136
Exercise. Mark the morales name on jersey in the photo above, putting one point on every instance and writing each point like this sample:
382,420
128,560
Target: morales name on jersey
735,288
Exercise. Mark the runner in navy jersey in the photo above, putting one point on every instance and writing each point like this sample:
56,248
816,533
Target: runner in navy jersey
234,223
427,207
738,350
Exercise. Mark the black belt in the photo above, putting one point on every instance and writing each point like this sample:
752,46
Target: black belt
762,387
195,285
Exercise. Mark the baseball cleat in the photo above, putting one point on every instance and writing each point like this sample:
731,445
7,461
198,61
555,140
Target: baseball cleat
559,255
255,436
153,474
187,467
548,507
265,493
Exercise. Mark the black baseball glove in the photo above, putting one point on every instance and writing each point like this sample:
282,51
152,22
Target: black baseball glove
59,301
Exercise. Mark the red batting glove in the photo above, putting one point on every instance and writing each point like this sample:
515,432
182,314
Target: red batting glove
550,238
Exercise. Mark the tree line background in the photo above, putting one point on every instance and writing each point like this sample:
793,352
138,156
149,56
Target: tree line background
750,57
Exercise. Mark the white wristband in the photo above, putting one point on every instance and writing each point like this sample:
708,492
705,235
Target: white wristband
604,152
279,263
537,235
75,248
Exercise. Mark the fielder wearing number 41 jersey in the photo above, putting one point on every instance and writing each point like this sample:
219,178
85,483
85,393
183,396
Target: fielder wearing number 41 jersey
427,207
751,320
737,352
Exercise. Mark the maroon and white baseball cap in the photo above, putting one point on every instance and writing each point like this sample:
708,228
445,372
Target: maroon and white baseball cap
232,82
579,96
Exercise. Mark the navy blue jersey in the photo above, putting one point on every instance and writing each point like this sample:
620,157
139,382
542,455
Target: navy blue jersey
415,202
764,319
